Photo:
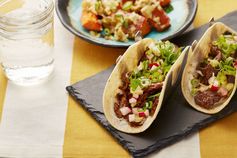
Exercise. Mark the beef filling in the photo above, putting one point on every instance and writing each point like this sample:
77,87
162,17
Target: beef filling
207,70
117,111
152,89
230,78
207,99
155,103
215,51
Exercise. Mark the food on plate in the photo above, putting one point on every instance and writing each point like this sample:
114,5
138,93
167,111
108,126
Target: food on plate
209,78
121,20
136,88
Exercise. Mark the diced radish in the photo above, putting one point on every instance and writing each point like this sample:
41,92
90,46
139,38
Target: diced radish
141,114
132,100
216,83
135,111
214,88
147,113
223,91
131,117
125,110
153,64
135,96
119,91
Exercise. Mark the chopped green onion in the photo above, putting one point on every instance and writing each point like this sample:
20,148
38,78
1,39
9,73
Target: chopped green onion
145,64
119,17
145,82
195,83
229,86
97,5
214,63
134,83
153,96
169,8
148,105
127,5
106,32
221,77
194,91
148,52
158,78
226,44
125,23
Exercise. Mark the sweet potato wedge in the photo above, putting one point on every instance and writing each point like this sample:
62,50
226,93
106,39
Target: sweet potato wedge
90,21
160,21
144,27
164,3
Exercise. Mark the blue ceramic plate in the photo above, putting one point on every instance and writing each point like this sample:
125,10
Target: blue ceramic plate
69,12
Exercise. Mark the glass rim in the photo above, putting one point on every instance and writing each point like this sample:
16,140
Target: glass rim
30,20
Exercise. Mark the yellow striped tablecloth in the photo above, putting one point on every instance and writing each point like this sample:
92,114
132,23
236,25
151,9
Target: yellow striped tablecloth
85,138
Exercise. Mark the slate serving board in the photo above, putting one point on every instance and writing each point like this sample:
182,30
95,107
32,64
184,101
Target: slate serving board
176,118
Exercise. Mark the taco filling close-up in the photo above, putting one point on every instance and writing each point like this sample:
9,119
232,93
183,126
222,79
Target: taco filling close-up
138,96
214,78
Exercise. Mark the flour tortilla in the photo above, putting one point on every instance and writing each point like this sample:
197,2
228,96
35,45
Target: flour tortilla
127,63
198,54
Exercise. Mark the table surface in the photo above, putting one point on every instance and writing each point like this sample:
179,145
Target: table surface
84,137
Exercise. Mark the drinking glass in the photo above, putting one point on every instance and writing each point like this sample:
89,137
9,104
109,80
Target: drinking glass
27,40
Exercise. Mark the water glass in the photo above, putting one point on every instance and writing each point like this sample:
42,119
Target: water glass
27,40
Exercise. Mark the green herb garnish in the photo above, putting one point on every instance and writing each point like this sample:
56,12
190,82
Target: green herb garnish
168,8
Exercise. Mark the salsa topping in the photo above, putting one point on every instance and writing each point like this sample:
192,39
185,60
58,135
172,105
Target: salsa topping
138,96
214,78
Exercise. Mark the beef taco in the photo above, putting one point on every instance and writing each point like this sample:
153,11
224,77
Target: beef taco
209,78
136,88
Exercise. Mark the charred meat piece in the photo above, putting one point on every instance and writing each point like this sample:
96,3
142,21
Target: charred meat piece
117,111
126,81
219,56
144,57
154,88
215,51
135,124
155,103
207,99
207,72
227,33
142,99
230,78
123,101
235,55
